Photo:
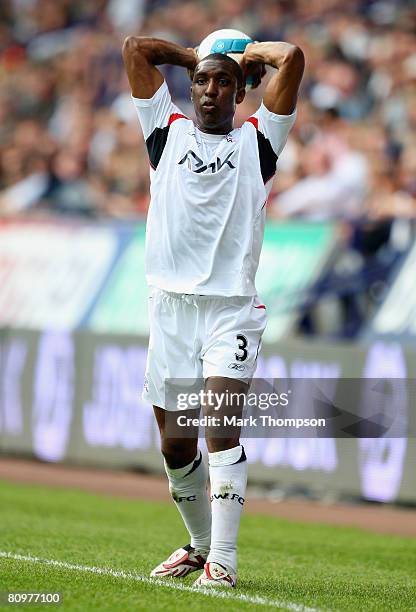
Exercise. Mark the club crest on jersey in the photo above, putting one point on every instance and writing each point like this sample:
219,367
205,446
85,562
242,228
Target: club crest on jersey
196,164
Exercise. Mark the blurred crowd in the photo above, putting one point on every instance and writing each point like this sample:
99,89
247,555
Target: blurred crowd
69,138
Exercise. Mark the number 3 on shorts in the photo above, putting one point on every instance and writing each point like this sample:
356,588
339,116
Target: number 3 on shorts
242,343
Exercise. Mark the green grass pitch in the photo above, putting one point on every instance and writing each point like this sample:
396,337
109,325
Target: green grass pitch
287,565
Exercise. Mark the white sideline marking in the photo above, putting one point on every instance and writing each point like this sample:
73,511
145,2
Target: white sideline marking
104,571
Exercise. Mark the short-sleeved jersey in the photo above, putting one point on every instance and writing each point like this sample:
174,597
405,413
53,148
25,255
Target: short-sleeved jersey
208,192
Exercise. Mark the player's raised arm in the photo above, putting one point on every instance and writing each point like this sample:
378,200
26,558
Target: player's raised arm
282,90
141,55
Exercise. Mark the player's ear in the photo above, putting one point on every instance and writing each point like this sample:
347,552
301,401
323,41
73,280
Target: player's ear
241,94
190,92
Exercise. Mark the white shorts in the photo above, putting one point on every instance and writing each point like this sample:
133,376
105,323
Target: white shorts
193,337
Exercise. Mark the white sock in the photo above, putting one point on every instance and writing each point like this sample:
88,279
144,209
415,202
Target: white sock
188,487
228,474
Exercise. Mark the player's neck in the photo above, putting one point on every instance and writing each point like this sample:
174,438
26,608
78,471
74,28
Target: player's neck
223,129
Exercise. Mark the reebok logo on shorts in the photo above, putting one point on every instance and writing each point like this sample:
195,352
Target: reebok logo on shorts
237,366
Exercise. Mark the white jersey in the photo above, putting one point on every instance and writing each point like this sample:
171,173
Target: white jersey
208,193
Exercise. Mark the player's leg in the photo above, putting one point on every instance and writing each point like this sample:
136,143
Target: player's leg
228,476
170,359
188,479
234,329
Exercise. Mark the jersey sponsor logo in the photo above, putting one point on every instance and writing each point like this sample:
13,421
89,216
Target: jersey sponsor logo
233,497
196,164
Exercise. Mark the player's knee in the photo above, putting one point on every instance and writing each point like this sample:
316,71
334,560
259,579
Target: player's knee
178,452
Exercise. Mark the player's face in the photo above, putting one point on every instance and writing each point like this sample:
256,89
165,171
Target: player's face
214,93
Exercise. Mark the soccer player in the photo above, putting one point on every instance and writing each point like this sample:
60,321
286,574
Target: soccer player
209,186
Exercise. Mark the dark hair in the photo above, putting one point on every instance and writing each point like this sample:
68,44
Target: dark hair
236,68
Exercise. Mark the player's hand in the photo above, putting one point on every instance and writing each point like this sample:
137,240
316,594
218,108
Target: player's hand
196,58
255,70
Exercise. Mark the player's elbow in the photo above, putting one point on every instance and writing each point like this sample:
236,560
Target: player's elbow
129,45
133,45
295,57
